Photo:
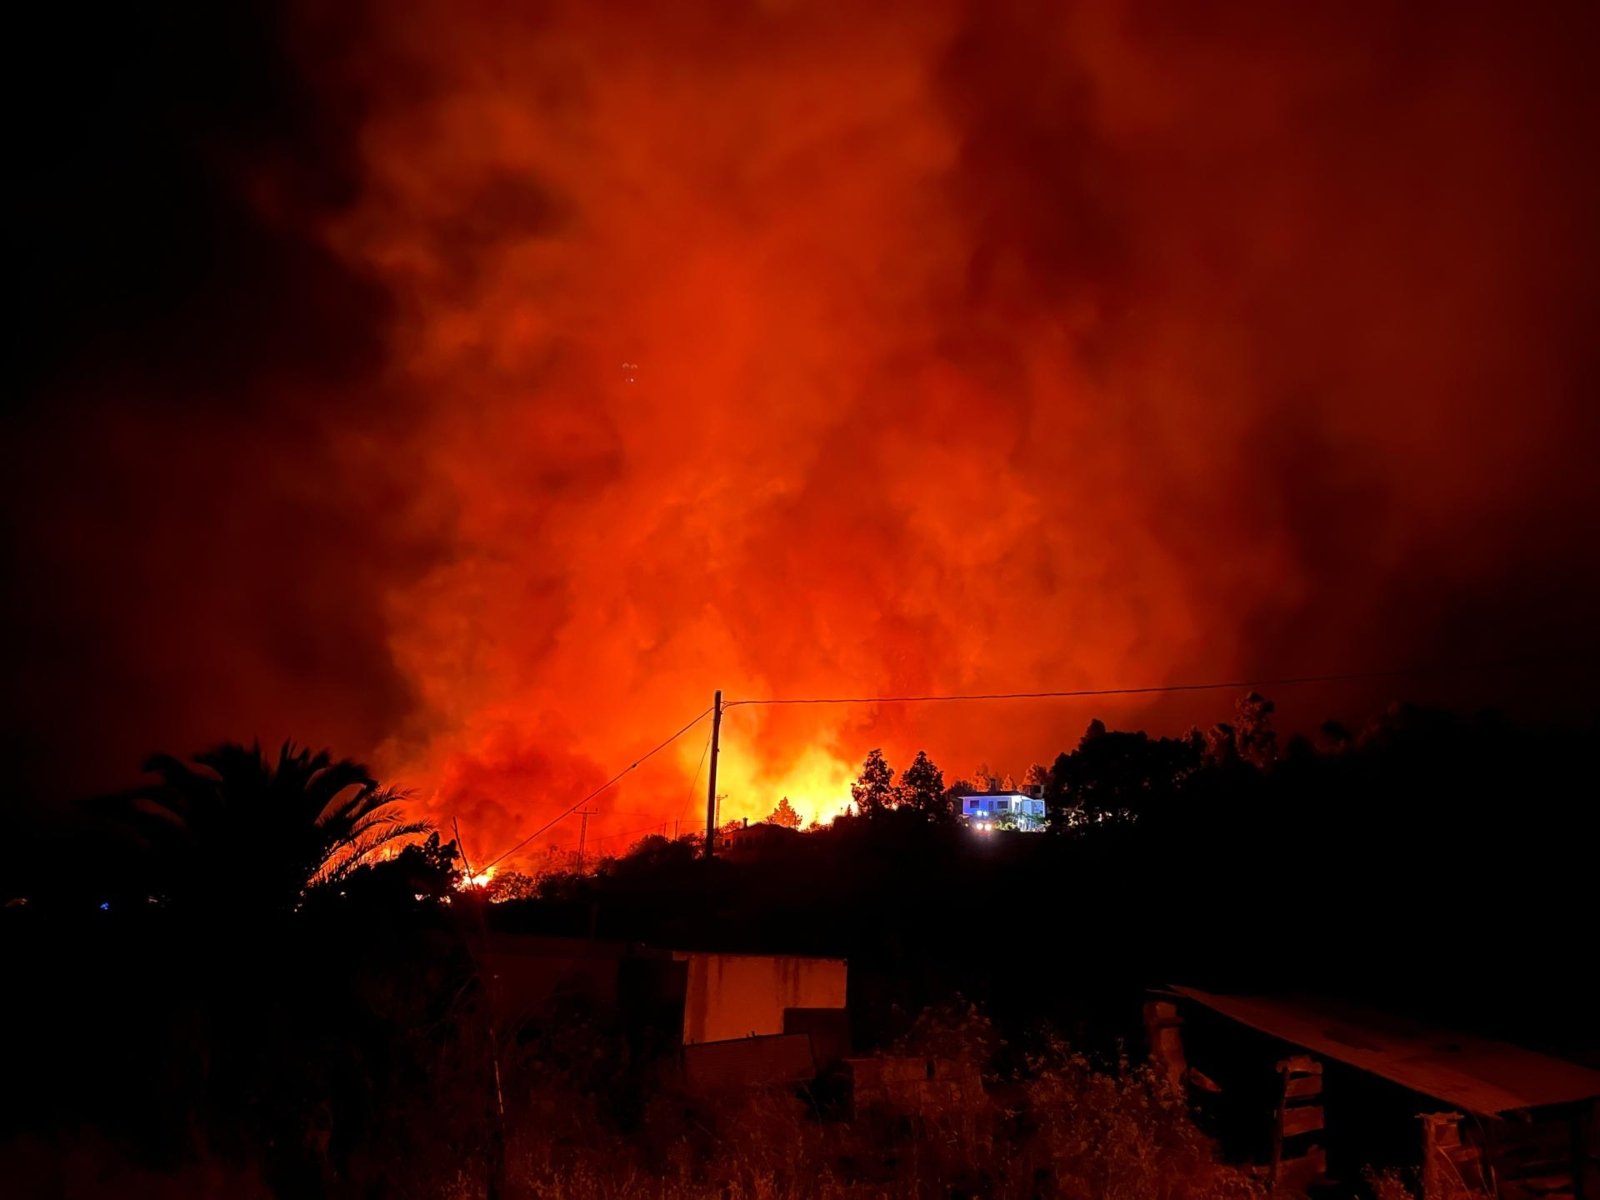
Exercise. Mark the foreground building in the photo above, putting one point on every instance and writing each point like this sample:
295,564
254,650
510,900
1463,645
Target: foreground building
711,1021
1312,1090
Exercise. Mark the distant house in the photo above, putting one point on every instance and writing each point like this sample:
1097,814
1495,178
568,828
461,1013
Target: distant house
748,841
1004,810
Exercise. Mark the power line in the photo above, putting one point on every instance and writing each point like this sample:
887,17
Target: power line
633,766
629,833
694,784
1063,694
1078,693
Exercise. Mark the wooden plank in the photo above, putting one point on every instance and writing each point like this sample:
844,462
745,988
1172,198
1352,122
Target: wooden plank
1300,1064
1303,1085
1302,1120
1299,1174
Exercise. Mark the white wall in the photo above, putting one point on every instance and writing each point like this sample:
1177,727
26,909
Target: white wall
737,995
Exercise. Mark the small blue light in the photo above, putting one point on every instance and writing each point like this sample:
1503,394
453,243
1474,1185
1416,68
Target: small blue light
105,906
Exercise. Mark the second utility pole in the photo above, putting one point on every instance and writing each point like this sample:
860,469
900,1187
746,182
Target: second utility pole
583,835
711,788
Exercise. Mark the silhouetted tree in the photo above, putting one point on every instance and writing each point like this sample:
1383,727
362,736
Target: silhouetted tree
1221,746
784,815
1334,737
511,885
922,789
421,869
656,852
1256,739
954,793
1116,774
236,829
873,792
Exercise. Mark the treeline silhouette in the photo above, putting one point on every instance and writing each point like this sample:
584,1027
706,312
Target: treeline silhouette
1427,861
220,977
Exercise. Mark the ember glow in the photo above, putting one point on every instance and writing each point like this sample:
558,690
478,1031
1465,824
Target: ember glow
808,349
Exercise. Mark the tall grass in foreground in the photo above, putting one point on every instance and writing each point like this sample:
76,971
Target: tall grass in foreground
582,1123
1063,1128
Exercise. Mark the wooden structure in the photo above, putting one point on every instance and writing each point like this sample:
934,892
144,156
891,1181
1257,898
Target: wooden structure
1163,1034
1451,1168
1299,1160
1497,1119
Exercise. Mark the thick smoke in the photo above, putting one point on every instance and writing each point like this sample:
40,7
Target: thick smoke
205,496
807,349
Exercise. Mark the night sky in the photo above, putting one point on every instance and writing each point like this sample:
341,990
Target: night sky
471,388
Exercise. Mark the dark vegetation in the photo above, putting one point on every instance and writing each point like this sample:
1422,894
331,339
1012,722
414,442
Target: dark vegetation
220,987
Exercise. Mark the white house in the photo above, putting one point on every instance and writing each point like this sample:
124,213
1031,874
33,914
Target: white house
985,810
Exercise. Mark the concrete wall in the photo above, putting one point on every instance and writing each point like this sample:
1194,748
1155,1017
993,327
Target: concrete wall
739,995
524,973
748,1063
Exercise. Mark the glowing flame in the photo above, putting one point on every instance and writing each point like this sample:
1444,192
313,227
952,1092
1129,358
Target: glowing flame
480,880
815,779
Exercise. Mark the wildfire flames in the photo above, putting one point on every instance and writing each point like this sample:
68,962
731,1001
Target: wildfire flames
808,349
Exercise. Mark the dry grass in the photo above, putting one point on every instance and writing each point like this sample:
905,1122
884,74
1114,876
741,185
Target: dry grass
1060,1128
1065,1130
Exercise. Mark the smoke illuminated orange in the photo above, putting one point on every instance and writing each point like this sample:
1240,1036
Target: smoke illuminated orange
797,349
477,396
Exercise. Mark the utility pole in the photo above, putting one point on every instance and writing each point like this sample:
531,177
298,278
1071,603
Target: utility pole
711,786
583,833
497,1132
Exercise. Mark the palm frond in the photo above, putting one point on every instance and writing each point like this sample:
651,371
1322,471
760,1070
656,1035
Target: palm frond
251,827
333,792
351,854
387,814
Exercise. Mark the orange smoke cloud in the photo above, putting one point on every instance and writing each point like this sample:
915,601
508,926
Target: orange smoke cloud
807,349
800,350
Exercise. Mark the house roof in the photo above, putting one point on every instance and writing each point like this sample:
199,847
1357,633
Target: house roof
763,827
1475,1074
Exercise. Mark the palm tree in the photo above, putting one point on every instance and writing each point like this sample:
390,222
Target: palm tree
236,829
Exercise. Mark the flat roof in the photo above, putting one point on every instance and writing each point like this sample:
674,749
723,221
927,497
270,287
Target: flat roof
1472,1073
680,955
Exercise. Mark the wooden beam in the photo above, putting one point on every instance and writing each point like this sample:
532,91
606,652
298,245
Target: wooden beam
1303,1085
1302,1120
